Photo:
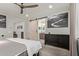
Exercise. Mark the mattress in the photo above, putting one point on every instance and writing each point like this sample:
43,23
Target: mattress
10,48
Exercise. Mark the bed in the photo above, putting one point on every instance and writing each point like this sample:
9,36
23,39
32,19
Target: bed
18,47
10,48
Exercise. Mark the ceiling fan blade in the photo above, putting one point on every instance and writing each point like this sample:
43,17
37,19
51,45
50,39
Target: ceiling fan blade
17,4
22,5
30,6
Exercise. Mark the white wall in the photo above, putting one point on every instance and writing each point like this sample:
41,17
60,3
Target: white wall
60,30
8,31
73,24
40,13
49,13
74,27
77,21
24,24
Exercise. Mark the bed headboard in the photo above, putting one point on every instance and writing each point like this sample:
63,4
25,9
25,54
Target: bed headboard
58,40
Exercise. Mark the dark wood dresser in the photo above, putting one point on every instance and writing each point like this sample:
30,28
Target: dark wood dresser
58,40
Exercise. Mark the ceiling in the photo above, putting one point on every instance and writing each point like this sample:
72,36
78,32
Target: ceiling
14,11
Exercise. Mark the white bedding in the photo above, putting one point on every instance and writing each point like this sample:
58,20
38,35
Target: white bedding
32,45
10,48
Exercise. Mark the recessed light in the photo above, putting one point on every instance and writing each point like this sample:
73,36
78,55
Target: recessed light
27,15
50,6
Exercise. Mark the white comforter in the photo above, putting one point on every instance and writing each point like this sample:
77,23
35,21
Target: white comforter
32,45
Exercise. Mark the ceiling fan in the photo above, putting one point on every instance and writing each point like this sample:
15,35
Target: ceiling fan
22,6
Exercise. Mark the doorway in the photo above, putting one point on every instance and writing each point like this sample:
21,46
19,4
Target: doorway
42,29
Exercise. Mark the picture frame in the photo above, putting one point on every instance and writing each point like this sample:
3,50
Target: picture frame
2,21
58,21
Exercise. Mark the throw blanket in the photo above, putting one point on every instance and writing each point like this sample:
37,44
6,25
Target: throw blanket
32,45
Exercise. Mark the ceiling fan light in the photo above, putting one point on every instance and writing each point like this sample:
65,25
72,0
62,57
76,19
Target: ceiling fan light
50,6
27,15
